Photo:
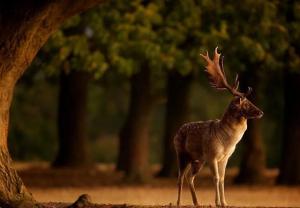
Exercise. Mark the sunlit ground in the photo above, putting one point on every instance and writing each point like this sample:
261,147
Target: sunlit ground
105,187
236,196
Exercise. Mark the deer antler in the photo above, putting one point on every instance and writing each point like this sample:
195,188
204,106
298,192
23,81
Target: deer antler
216,74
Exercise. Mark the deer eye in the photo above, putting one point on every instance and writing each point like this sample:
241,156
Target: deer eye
246,106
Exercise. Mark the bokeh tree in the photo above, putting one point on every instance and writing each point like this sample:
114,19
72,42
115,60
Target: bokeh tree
290,163
190,27
72,55
180,39
254,52
131,50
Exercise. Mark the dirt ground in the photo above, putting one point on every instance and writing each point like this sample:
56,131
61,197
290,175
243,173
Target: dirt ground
106,187
236,196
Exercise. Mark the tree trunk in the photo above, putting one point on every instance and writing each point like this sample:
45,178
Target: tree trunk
25,27
134,136
290,164
177,109
72,121
252,165
12,189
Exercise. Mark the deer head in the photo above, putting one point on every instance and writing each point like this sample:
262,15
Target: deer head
240,105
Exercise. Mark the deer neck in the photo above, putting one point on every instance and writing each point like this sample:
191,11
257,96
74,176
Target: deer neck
233,127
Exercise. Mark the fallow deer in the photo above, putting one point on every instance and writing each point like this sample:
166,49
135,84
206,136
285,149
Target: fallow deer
213,141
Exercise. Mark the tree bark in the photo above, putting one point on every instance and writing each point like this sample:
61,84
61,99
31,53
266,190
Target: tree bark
252,165
290,163
72,121
133,155
25,27
12,189
177,109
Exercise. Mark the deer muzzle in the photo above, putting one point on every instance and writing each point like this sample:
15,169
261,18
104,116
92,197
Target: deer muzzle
260,114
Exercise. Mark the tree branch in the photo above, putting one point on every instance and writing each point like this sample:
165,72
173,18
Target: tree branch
27,26
78,6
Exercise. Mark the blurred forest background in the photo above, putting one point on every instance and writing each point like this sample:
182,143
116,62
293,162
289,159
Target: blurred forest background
115,83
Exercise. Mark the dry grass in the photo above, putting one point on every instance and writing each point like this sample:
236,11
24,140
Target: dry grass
105,187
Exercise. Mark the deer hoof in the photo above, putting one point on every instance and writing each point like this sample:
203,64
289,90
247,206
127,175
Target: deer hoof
224,204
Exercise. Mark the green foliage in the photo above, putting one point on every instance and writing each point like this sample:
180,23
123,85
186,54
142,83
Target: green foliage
179,35
292,23
143,33
124,33
119,38
254,34
71,48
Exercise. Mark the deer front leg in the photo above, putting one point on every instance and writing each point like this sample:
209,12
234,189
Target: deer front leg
214,169
222,168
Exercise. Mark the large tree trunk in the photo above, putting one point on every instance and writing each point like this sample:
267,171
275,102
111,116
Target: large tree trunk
134,136
72,122
177,109
25,27
290,164
12,189
252,165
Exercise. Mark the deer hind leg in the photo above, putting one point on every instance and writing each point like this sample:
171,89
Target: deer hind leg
215,171
195,168
183,167
222,166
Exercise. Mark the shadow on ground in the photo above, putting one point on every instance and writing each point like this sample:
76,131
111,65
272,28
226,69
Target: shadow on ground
40,175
